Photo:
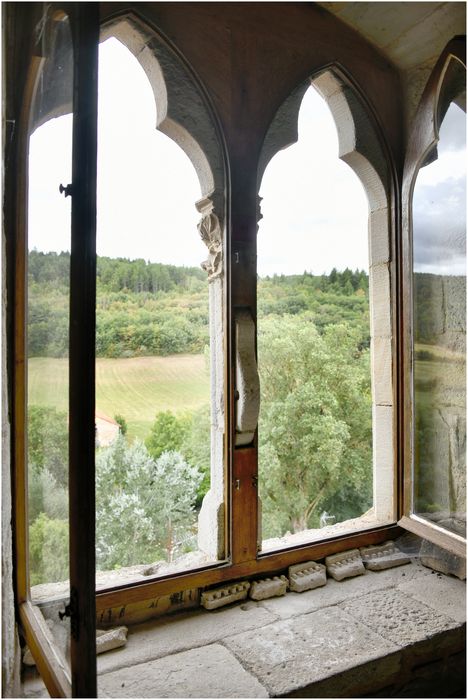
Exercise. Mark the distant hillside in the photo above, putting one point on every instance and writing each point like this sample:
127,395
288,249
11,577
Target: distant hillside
114,274
152,309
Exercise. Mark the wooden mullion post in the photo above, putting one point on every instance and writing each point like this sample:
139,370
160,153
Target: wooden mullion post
82,352
244,490
244,505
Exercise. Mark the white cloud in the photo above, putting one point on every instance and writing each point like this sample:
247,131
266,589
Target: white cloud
439,203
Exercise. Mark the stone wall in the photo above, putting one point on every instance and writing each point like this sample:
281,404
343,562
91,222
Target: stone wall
440,396
10,647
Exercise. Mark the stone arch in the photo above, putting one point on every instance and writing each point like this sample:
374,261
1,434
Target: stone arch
181,108
184,115
362,147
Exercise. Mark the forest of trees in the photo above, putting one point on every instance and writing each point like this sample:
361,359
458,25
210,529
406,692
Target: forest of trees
154,309
315,421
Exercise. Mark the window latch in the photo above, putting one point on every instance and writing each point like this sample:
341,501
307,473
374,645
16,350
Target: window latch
67,191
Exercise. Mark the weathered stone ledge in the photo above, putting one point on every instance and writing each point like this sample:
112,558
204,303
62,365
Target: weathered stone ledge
393,633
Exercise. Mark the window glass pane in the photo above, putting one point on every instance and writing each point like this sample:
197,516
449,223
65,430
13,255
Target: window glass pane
315,426
152,340
439,298
49,238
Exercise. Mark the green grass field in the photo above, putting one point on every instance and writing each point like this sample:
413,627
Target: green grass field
137,388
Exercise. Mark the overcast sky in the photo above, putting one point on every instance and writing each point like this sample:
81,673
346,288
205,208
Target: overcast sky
314,207
439,203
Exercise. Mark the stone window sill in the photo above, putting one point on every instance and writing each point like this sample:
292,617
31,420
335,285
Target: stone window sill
394,633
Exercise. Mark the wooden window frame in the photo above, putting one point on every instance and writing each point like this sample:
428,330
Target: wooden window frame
80,679
243,560
423,138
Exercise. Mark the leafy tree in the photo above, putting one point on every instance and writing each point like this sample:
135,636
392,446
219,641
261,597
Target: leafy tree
315,423
144,507
189,434
122,423
196,447
46,496
48,442
48,550
168,432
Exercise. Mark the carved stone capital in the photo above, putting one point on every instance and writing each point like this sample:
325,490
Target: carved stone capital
210,231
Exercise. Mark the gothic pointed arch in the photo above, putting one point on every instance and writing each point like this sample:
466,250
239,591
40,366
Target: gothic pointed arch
362,147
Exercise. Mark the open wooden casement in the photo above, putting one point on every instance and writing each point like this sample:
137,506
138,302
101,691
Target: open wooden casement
434,499
63,72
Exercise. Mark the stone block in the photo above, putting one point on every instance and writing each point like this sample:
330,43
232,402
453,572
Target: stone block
307,576
217,597
439,559
379,282
381,349
366,680
269,588
384,468
398,617
345,564
379,237
110,639
209,672
438,646
383,556
445,594
170,635
291,655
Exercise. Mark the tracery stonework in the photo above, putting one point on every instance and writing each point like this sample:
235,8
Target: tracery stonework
210,232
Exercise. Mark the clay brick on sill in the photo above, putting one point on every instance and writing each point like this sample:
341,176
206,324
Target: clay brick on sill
345,564
217,597
269,588
307,576
383,556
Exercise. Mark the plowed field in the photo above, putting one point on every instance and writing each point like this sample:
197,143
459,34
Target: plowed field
137,388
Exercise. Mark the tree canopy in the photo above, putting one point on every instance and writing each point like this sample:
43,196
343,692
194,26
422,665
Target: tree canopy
315,423
144,507
48,441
